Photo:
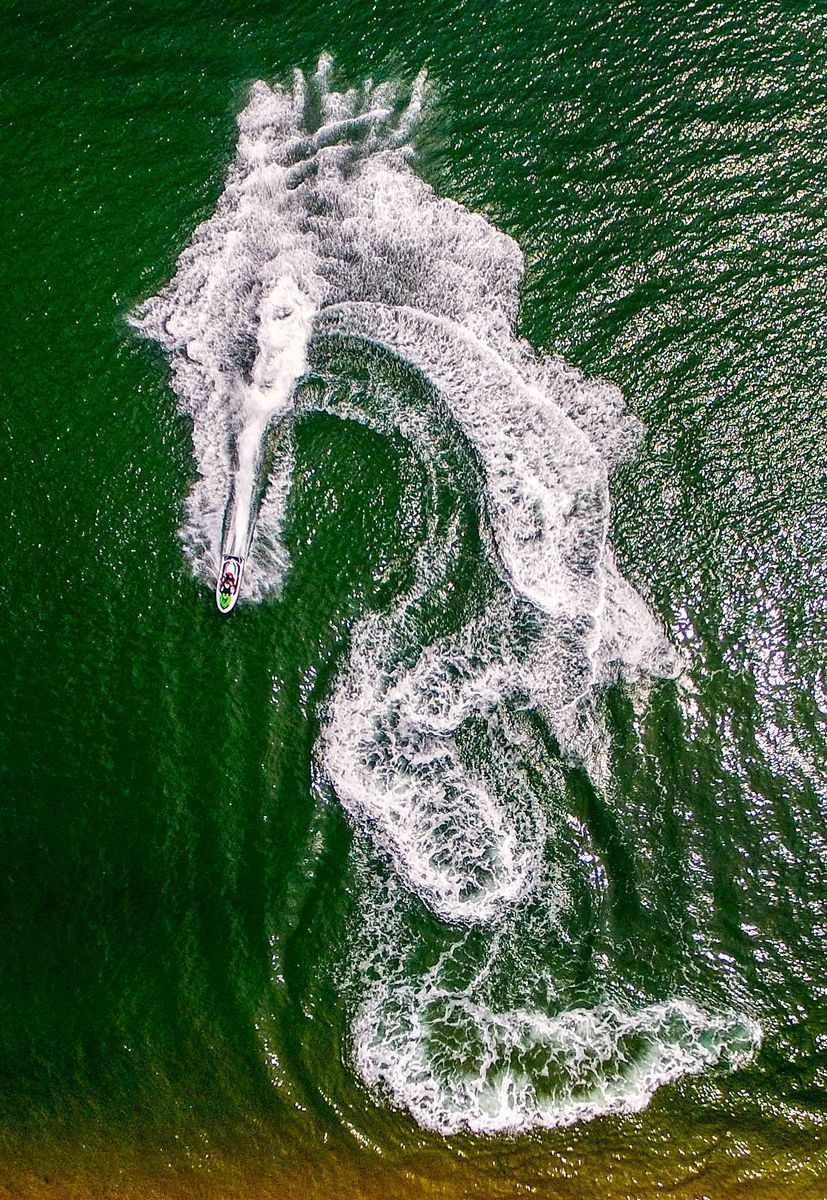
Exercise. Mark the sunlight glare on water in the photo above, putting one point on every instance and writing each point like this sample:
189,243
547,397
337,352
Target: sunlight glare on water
482,848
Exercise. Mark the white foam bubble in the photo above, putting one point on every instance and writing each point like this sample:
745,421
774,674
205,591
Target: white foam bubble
389,747
455,1063
236,318
475,1034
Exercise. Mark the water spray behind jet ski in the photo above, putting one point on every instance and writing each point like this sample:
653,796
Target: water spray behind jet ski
285,315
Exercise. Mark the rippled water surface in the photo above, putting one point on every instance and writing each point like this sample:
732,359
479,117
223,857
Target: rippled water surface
481,851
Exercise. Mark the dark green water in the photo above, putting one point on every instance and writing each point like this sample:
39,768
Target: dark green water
180,896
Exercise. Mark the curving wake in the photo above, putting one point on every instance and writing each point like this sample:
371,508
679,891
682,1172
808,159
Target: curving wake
325,234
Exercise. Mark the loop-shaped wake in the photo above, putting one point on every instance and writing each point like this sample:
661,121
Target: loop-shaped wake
324,231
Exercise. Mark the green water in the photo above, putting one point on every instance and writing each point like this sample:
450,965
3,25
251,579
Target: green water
178,894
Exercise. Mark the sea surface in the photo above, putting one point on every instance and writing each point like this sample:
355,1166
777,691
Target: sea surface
482,850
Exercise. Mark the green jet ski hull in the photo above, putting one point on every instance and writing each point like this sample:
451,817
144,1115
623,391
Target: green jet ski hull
228,584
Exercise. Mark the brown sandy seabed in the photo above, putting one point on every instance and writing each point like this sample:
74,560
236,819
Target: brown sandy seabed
781,1161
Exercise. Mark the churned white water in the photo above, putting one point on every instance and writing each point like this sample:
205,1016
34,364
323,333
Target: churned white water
524,1069
442,1047
324,230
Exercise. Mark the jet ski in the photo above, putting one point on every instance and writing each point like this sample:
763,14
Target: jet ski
229,582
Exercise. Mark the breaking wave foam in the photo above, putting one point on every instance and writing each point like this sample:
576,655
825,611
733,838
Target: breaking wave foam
522,1069
324,232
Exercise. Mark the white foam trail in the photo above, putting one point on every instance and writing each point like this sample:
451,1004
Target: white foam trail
547,486
324,231
522,1069
390,750
284,320
236,318
447,1042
